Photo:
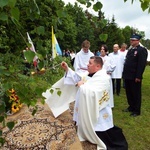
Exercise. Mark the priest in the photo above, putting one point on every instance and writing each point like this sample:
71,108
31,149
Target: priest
92,112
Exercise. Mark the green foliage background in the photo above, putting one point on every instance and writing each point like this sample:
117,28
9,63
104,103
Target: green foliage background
71,24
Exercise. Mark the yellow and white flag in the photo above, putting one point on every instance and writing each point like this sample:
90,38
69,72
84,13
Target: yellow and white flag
55,46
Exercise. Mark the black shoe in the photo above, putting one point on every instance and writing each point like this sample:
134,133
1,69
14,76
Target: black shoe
134,115
126,110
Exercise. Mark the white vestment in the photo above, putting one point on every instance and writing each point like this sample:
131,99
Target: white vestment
82,60
92,110
109,66
119,62
124,53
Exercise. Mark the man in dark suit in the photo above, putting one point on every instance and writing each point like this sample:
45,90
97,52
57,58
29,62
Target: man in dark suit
134,67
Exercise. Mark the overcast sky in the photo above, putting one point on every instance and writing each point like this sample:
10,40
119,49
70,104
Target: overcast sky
125,14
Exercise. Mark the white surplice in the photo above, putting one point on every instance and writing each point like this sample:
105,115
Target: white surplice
109,66
119,62
81,61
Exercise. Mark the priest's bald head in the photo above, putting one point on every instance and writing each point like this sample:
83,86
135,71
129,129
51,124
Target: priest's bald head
95,64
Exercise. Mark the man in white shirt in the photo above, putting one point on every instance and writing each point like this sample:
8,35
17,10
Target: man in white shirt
117,73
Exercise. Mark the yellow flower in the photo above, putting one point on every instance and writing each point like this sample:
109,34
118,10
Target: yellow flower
14,108
12,91
12,97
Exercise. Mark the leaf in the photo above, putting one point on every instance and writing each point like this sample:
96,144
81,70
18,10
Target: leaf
22,76
58,93
7,73
103,37
11,69
12,3
29,55
43,101
88,4
51,91
2,67
40,30
3,16
7,85
2,141
3,3
98,6
144,5
39,56
41,64
15,13
10,125
34,111
60,13
104,22
1,118
3,70
33,102
82,1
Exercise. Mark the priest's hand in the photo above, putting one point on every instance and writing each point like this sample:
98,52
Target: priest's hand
80,83
64,65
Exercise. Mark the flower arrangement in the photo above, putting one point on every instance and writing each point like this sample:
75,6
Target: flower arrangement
14,101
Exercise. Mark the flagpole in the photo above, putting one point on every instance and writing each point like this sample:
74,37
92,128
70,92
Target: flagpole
52,47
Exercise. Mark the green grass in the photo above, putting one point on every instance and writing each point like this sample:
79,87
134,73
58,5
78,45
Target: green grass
135,129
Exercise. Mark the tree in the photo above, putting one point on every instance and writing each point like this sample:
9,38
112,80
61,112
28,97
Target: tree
127,31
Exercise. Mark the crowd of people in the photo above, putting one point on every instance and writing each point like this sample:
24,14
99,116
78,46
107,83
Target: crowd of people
96,79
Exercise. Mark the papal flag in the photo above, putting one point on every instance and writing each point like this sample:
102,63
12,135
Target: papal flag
55,46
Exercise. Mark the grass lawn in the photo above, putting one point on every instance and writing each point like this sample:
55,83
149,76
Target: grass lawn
136,129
